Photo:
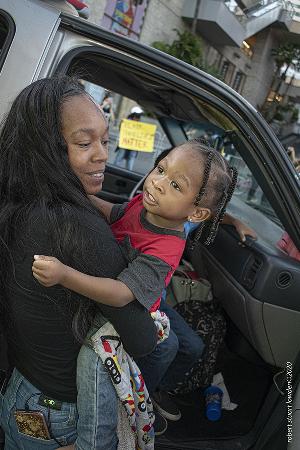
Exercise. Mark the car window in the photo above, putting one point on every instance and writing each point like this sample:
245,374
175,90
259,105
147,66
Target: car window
178,115
117,107
6,35
247,189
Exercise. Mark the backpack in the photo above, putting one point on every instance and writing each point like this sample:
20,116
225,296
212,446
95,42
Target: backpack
192,298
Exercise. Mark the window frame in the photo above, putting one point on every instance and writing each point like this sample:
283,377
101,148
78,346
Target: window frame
9,36
262,141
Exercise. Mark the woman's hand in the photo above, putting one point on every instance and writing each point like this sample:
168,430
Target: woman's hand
69,447
48,270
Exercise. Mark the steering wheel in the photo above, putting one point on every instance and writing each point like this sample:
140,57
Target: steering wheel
137,188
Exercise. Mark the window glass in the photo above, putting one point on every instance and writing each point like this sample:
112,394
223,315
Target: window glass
247,189
239,81
117,108
227,71
133,98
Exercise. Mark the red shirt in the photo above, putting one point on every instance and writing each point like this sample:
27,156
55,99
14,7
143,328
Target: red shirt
166,245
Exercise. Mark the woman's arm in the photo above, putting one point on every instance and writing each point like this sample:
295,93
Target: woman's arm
97,253
242,229
49,271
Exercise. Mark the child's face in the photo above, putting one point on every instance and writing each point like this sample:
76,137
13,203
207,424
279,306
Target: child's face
170,190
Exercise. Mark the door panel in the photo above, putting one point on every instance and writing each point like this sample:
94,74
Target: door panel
283,331
244,310
273,331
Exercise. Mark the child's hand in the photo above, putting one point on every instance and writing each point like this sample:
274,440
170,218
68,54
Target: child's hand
243,230
48,270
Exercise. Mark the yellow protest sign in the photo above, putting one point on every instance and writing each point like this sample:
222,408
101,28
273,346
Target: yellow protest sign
136,135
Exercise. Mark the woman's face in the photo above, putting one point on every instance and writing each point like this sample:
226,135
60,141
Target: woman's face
86,134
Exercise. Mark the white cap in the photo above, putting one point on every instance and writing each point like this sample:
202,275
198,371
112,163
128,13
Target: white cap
136,110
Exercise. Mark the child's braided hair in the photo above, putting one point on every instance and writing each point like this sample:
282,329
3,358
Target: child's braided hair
218,184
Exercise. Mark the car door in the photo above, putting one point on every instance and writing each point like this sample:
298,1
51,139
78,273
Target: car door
260,281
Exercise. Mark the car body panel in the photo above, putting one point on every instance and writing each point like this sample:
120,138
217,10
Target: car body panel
23,59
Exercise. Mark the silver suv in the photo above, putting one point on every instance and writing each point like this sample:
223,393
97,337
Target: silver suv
256,283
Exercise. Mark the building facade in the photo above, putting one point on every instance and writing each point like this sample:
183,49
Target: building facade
237,35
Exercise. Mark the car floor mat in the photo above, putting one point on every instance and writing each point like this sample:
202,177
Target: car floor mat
247,385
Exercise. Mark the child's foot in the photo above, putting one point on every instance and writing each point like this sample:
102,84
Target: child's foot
160,424
165,405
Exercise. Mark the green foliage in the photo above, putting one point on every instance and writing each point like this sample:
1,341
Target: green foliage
188,48
285,114
278,116
286,54
212,70
295,115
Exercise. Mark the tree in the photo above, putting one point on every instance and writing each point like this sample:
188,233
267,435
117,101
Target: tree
188,48
287,56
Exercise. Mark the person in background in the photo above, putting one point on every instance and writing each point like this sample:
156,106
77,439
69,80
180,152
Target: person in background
292,154
123,154
107,107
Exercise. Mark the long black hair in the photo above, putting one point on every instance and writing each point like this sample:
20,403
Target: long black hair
35,172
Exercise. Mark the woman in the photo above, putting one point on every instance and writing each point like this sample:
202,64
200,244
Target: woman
53,150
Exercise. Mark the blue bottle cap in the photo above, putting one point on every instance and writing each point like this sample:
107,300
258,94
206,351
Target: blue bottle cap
213,413
213,390
213,396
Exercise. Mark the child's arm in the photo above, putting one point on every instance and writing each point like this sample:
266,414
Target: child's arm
103,206
242,229
50,271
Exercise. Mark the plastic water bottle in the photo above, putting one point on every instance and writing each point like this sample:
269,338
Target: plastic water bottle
213,399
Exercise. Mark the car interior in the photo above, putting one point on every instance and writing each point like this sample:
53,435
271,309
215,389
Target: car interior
255,282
